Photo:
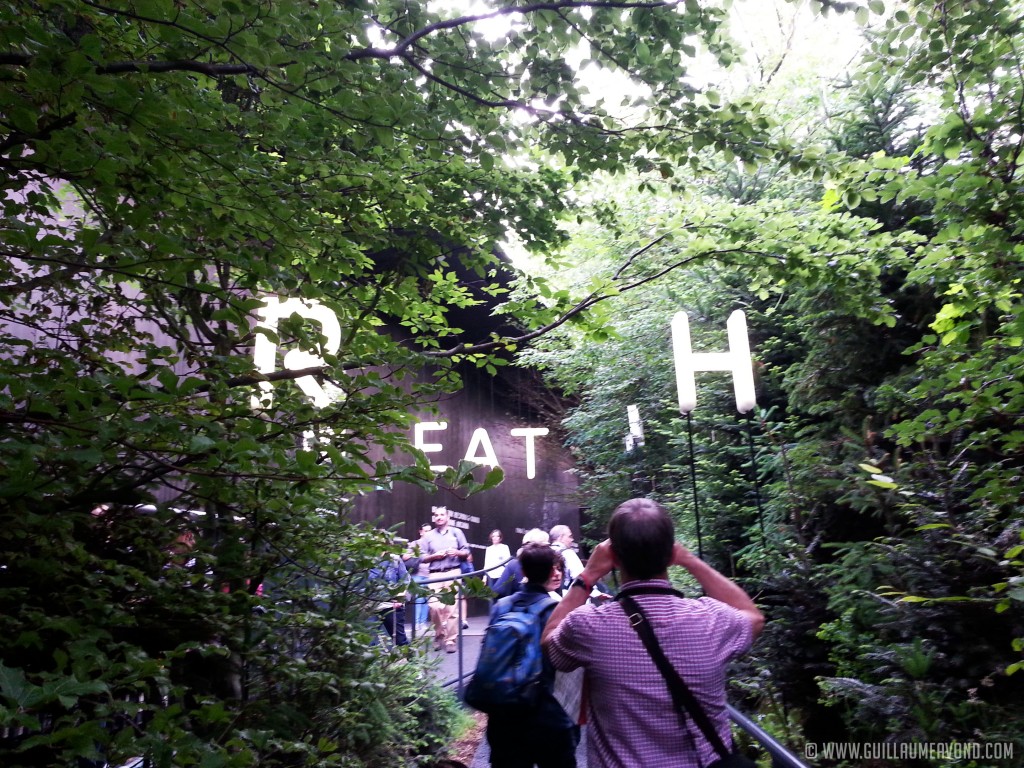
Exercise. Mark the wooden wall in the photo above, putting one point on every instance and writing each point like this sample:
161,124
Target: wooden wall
518,504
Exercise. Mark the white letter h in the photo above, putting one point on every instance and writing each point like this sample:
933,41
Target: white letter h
736,360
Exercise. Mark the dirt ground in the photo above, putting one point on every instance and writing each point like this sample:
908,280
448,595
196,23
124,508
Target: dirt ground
464,749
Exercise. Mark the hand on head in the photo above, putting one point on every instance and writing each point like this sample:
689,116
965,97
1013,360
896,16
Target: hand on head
601,560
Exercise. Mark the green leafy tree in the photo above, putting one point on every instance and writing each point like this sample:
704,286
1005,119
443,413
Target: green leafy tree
890,445
167,166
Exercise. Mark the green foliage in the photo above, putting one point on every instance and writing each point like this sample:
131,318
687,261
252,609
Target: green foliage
166,166
887,345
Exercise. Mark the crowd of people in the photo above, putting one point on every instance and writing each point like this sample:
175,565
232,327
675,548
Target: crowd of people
604,653
600,649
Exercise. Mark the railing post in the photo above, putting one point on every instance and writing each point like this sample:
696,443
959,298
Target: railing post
458,620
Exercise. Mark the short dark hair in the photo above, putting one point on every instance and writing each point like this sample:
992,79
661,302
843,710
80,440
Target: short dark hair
537,560
642,535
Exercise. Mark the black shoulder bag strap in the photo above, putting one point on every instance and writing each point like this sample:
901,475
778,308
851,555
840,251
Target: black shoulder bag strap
682,697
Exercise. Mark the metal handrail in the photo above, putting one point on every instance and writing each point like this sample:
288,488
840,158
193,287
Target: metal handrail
462,675
478,572
781,756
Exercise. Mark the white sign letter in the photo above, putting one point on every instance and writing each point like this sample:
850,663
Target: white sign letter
736,360
481,440
635,437
265,350
531,456
417,440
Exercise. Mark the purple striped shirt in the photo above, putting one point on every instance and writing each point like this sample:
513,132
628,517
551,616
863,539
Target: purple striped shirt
631,721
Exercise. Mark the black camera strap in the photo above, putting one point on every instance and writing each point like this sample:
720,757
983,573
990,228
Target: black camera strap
682,697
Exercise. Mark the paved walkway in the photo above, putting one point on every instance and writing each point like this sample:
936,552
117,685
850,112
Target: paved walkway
452,666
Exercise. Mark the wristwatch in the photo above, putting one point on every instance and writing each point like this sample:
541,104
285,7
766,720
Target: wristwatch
579,582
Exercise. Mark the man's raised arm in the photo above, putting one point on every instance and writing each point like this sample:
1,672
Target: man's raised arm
598,566
719,587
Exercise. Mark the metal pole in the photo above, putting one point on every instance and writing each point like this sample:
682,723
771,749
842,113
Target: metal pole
693,484
756,479
458,622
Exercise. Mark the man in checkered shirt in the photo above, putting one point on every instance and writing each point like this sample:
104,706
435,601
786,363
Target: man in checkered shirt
631,720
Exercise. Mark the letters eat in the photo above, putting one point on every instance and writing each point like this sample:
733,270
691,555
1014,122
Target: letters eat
265,353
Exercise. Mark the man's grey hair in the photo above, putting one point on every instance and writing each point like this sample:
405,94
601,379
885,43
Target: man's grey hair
559,531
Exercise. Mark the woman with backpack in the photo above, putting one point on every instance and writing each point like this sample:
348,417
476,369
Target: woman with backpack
526,727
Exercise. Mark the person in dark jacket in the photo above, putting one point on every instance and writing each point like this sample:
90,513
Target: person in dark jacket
390,581
542,735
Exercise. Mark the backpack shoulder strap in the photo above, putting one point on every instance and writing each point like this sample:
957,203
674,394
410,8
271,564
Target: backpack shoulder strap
535,607
539,609
542,605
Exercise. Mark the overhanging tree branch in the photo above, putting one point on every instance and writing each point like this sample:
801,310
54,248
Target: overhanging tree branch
525,10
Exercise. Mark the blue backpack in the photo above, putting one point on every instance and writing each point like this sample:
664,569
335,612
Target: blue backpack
508,671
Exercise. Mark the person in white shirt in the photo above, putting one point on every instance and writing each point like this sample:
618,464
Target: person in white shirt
496,553
563,542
